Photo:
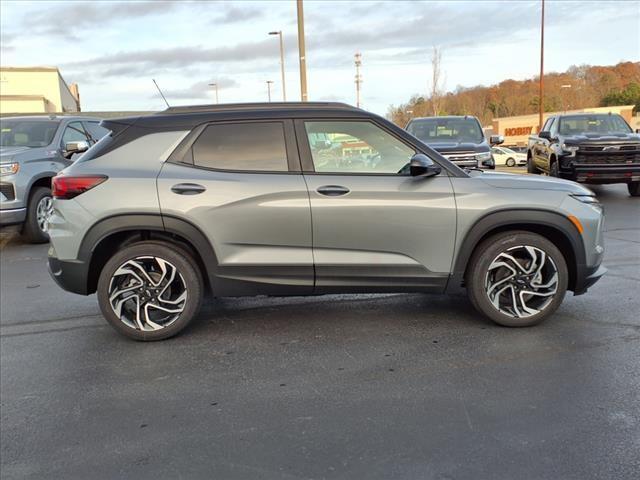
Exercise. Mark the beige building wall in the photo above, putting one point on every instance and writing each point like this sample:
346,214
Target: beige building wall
19,87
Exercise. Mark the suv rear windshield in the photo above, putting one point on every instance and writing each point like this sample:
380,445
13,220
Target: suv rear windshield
27,133
578,124
446,129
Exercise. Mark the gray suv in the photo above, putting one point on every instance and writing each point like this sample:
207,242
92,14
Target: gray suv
236,200
32,151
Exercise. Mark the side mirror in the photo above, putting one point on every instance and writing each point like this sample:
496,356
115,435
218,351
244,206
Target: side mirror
496,140
422,166
545,134
75,147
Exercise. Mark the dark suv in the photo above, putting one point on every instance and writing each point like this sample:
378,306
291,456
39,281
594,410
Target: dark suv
301,199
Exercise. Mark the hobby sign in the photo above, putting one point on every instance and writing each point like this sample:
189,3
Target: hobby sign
515,131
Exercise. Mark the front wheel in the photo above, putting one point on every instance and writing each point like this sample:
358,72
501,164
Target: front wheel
634,189
517,279
510,162
38,211
553,170
150,291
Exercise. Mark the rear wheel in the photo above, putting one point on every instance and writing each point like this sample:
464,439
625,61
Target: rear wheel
38,211
531,168
634,189
510,162
150,291
517,279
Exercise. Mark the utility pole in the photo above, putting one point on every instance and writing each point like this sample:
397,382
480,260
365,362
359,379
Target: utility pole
284,91
269,82
215,86
301,53
358,63
541,95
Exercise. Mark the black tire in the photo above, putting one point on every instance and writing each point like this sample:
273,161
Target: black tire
553,169
531,168
478,275
510,162
185,266
634,189
31,231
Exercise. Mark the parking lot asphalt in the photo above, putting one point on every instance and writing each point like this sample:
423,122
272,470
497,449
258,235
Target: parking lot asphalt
340,387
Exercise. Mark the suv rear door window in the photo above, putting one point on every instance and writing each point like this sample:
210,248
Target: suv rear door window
95,130
258,146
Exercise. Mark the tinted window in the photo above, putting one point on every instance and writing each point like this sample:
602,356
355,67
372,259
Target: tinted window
355,147
242,146
95,130
440,129
74,133
27,133
577,124
547,125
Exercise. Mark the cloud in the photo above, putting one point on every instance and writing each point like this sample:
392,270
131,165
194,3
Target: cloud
235,14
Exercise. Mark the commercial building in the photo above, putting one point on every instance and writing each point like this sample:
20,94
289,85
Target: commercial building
516,130
36,90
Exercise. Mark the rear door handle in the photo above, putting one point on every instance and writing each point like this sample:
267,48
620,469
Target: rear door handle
332,190
187,189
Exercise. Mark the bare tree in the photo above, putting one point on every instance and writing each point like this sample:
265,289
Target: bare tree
436,91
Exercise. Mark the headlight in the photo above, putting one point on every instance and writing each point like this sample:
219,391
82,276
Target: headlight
9,168
586,198
484,156
572,149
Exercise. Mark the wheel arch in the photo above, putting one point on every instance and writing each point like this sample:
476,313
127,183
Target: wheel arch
551,225
113,233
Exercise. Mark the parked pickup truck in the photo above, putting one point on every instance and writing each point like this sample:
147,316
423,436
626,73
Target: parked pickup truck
32,151
587,148
458,138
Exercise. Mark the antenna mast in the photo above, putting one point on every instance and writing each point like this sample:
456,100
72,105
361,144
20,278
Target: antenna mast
161,94
358,63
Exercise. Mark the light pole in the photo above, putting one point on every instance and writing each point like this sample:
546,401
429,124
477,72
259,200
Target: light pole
215,86
564,100
301,52
541,106
269,83
284,90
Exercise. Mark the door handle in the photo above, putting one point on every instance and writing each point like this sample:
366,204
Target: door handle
332,190
187,189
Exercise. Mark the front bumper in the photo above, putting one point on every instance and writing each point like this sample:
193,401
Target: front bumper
12,216
589,172
587,277
71,276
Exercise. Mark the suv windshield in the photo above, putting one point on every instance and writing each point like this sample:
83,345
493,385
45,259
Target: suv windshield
27,133
578,124
447,129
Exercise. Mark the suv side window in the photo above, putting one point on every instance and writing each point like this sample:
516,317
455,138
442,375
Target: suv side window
74,132
256,146
95,130
355,147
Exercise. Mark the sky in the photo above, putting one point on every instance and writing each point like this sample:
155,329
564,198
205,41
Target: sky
113,50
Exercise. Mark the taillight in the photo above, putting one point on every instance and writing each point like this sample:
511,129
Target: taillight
66,187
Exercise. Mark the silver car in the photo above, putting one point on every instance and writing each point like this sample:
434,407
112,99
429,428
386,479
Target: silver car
236,200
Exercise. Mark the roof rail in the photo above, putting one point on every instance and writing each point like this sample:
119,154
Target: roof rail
254,106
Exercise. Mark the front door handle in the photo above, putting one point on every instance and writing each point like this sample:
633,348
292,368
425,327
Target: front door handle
187,189
332,190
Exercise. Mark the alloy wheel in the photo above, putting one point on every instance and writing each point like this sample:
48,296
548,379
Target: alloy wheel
521,281
43,212
147,293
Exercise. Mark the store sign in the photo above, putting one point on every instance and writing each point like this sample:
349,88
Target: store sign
515,131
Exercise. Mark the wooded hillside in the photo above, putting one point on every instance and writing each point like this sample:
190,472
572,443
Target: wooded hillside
590,86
